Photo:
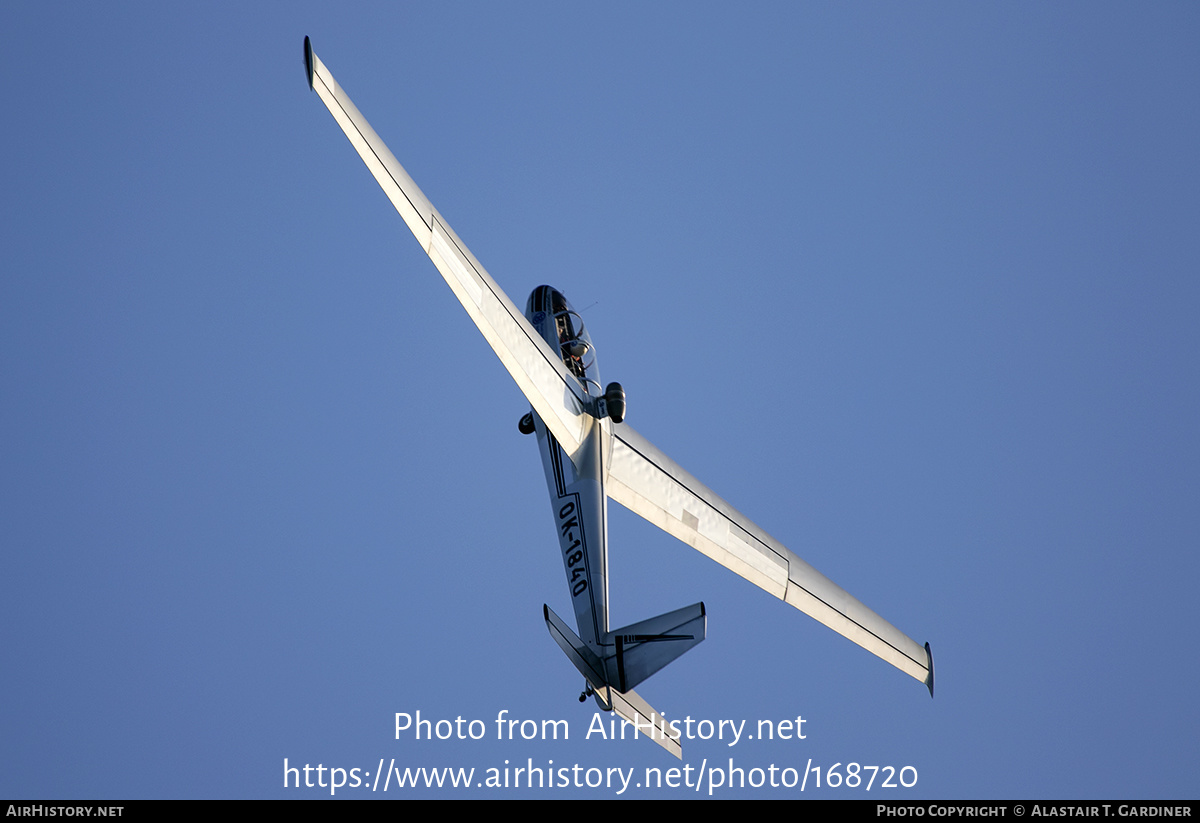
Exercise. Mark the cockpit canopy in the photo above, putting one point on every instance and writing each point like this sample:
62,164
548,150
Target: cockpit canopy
562,327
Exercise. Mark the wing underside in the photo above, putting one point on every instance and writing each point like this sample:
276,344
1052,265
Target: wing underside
644,480
540,374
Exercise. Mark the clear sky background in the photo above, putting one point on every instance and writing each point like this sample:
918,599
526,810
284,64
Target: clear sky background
914,286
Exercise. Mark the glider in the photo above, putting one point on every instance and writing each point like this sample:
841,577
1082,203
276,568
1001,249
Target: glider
590,454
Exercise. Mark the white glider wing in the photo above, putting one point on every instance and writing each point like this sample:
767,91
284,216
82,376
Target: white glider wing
553,392
647,482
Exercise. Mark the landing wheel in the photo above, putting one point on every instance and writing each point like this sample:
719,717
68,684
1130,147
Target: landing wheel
525,425
614,400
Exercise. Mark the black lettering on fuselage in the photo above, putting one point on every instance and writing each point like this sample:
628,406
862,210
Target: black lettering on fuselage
571,545
573,523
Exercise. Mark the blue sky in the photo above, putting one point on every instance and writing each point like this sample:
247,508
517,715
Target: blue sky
912,285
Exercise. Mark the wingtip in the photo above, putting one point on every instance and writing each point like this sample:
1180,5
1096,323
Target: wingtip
929,679
308,61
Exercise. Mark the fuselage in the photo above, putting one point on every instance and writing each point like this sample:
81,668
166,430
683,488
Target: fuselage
576,481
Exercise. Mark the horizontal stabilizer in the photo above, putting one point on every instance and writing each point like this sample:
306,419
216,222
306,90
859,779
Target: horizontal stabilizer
641,650
644,648
646,721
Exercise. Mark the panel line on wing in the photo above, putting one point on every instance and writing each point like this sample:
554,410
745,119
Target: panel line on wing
350,115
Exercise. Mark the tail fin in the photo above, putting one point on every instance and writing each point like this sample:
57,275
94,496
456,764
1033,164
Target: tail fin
639,650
